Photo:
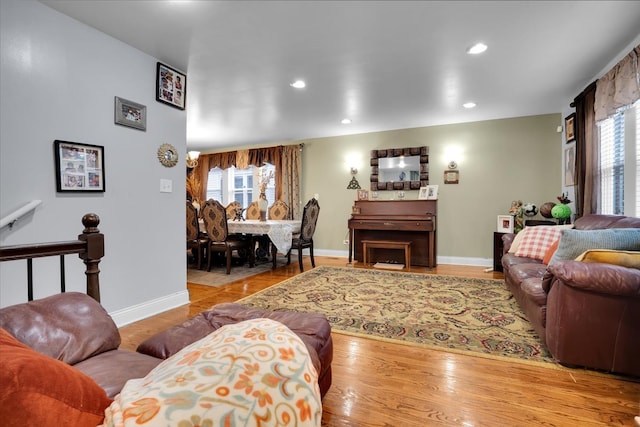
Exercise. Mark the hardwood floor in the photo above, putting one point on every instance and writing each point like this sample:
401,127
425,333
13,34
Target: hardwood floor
385,384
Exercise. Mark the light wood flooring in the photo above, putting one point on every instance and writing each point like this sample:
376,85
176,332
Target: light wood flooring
385,384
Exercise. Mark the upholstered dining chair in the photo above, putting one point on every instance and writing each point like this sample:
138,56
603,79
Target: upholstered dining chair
305,238
232,208
279,210
195,241
215,222
253,211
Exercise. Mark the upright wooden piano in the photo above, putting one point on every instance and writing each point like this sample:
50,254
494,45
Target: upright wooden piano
395,220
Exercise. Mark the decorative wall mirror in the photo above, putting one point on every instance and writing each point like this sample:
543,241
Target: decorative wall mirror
400,168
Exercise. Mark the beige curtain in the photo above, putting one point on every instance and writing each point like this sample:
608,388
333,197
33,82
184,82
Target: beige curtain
619,88
289,171
286,159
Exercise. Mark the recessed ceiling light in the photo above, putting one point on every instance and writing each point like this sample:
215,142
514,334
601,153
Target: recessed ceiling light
469,104
298,84
477,48
346,121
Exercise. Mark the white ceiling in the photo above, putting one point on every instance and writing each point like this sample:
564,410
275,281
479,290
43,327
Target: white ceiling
384,64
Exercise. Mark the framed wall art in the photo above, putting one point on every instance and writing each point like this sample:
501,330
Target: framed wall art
570,166
129,113
505,224
79,167
570,127
171,86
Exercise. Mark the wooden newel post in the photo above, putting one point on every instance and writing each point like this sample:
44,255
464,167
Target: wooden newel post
95,251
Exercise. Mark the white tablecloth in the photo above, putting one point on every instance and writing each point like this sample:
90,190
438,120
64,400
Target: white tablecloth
279,232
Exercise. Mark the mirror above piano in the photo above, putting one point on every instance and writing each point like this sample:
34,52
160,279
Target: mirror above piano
400,168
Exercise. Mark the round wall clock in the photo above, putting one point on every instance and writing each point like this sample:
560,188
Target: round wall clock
168,155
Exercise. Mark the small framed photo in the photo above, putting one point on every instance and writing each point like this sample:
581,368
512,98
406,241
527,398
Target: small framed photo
363,195
570,127
171,86
129,113
505,224
424,193
79,167
432,192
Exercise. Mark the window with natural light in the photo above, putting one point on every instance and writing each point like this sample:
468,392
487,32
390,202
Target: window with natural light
620,163
240,185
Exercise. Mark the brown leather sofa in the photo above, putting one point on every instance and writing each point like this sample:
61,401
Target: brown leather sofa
312,328
587,314
75,329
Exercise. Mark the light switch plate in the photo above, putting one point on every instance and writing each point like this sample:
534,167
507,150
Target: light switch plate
166,186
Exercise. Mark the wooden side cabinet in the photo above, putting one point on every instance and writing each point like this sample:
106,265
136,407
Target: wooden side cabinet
498,246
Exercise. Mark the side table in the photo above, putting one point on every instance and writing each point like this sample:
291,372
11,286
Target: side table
498,247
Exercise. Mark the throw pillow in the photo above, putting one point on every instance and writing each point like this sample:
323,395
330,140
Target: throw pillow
552,250
515,244
575,242
629,259
39,390
516,241
537,240
255,372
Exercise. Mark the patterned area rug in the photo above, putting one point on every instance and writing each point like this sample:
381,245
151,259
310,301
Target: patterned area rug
456,313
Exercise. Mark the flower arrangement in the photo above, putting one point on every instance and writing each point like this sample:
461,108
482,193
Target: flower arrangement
194,186
264,181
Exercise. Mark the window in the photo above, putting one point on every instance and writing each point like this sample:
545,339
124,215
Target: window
240,185
620,163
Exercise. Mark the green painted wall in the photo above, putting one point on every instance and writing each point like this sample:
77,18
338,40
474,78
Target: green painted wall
499,161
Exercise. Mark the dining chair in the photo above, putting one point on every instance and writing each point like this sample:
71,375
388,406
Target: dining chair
195,241
232,208
279,210
307,228
253,211
215,222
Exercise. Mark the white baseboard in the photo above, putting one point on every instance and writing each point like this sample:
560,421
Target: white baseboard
149,308
481,262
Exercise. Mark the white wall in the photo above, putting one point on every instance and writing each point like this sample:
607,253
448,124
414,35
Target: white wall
58,79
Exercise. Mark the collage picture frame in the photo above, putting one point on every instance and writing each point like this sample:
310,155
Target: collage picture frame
79,167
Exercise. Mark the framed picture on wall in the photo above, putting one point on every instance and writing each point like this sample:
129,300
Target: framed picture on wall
79,167
570,166
570,127
171,86
129,113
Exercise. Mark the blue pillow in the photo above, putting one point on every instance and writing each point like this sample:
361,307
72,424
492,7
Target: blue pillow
574,242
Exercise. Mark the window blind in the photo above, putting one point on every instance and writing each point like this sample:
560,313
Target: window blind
612,165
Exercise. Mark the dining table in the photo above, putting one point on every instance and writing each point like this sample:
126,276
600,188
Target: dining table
280,232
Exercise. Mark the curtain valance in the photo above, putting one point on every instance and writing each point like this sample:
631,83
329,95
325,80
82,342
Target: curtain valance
618,88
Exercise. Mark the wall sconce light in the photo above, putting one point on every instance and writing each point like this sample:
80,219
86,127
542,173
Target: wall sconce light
353,184
192,159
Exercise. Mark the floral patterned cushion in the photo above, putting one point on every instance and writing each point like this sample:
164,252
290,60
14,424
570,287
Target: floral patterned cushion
255,372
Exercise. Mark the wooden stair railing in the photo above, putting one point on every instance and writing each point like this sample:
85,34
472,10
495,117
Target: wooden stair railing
89,247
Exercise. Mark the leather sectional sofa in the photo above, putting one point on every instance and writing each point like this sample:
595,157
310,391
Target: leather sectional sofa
61,365
586,313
